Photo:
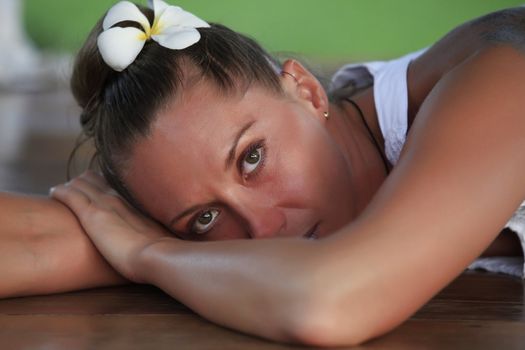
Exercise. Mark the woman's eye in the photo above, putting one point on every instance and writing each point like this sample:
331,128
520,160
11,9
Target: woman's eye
252,159
204,222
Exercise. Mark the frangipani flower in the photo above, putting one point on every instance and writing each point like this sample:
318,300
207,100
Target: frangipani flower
172,28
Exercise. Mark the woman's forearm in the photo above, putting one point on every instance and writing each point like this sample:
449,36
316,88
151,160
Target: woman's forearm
242,286
43,249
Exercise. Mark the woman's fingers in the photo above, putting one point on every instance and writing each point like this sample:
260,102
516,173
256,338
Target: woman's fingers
72,197
95,187
98,181
94,192
118,231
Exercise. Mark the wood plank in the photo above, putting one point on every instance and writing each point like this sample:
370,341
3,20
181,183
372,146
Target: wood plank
191,331
466,314
452,335
132,299
126,332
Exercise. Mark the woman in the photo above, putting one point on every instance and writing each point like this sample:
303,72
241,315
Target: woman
271,155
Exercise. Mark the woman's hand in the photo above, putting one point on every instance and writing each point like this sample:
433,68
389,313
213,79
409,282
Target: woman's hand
118,231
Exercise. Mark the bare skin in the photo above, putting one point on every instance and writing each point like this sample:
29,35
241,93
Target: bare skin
169,255
43,249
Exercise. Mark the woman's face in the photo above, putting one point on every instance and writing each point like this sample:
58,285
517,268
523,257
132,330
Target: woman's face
251,166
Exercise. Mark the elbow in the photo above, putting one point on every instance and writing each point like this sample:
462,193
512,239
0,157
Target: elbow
319,324
326,319
315,332
322,310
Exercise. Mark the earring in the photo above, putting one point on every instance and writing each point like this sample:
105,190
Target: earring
326,114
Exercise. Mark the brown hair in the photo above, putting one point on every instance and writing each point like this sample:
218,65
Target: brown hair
118,108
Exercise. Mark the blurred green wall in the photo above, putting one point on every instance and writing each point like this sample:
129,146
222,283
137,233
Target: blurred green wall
327,30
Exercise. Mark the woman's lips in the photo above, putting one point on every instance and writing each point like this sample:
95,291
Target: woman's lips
312,234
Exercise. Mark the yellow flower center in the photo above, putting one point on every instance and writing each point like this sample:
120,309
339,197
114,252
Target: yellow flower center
156,28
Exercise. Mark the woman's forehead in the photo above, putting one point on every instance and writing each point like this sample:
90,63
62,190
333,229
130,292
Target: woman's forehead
190,142
204,113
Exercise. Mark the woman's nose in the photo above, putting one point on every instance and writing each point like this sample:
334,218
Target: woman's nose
261,217
264,222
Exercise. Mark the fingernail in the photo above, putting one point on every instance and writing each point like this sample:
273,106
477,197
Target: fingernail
51,190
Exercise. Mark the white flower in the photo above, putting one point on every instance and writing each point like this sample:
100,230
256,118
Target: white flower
172,28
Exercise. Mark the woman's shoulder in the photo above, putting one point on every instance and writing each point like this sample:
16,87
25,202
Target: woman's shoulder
502,28
460,176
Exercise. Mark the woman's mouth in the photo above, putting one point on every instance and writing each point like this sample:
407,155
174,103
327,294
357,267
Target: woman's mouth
312,234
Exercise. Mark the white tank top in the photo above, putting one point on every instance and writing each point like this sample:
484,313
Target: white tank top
390,95
391,102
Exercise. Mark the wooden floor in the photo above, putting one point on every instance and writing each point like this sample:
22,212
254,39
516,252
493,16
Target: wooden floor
477,311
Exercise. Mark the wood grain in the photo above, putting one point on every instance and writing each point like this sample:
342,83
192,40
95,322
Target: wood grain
477,311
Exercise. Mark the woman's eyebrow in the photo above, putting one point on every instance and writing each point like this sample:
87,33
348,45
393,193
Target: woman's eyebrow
231,153
227,164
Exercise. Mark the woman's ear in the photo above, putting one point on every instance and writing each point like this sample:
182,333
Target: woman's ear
302,85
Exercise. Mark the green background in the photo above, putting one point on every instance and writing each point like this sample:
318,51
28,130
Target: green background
329,30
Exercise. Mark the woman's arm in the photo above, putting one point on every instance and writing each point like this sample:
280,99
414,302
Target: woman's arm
43,249
502,27
459,179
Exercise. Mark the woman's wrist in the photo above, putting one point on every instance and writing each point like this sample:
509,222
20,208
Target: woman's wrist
148,258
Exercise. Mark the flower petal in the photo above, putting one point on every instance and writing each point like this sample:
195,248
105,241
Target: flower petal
177,38
120,46
176,16
158,7
125,11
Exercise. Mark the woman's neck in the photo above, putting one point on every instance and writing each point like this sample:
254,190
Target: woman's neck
361,152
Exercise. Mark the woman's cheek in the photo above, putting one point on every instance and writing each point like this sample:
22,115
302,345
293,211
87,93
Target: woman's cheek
288,177
228,227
